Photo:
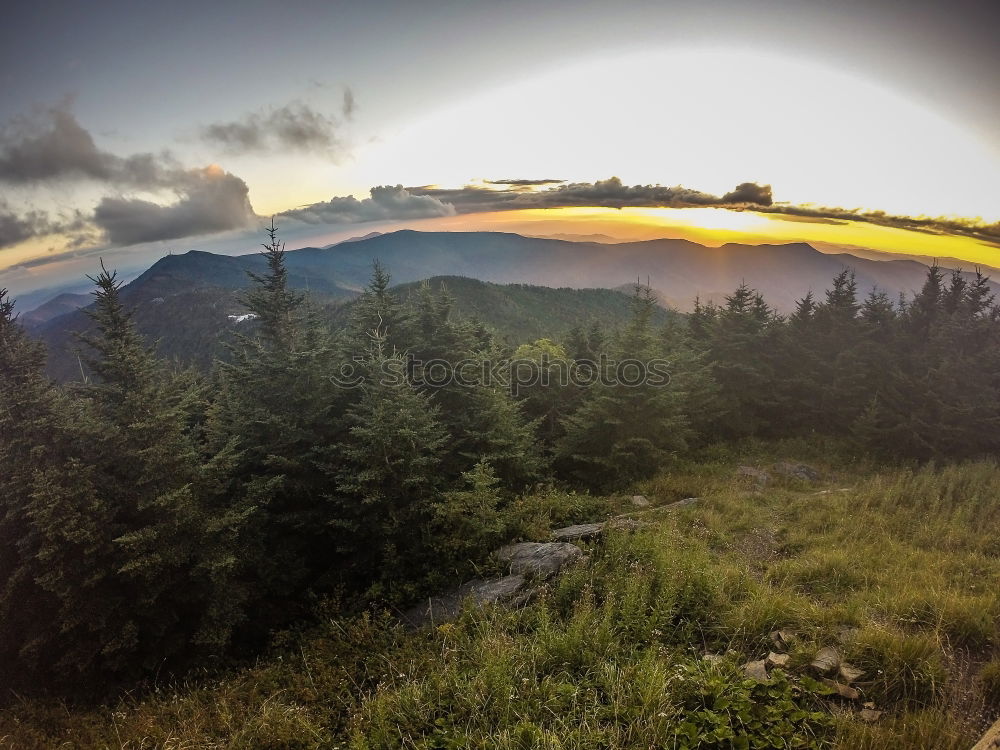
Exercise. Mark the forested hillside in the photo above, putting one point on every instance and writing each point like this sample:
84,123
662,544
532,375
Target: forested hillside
157,518
183,302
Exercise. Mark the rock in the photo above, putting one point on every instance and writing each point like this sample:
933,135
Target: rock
759,477
579,531
681,503
870,715
796,471
640,501
778,660
540,559
842,690
624,523
447,607
781,639
990,740
827,660
756,670
713,659
849,673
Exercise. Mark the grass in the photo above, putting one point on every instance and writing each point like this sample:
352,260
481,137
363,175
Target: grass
898,573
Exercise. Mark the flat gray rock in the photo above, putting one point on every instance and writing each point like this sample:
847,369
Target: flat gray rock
447,607
756,670
758,476
539,559
640,501
805,472
579,531
681,503
827,660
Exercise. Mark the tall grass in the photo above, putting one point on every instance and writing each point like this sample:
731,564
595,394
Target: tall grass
898,574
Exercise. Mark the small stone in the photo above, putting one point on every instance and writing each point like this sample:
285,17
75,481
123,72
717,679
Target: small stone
756,670
870,715
849,673
781,639
826,661
778,660
640,501
713,659
844,691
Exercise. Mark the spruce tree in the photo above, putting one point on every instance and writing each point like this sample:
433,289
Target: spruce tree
624,430
389,468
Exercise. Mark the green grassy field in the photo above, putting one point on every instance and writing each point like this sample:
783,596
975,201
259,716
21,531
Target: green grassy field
895,568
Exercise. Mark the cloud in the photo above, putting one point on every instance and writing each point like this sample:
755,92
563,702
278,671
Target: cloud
975,228
524,183
750,192
350,105
15,228
52,145
211,200
295,127
387,202
611,193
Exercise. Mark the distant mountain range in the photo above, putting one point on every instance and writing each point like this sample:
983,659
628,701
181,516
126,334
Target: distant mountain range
185,300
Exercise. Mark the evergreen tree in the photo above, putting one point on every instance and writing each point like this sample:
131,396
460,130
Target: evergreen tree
626,429
390,465
277,415
34,439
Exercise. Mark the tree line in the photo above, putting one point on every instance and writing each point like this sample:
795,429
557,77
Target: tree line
151,515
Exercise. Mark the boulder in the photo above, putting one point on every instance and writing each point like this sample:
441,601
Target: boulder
447,607
577,532
624,523
796,471
538,559
827,660
757,476
640,501
681,503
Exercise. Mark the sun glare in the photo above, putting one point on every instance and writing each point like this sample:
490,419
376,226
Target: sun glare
702,118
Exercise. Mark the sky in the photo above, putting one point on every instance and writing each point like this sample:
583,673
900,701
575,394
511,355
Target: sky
132,129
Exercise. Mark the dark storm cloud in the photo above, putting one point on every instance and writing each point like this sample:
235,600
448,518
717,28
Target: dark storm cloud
211,200
387,202
293,127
